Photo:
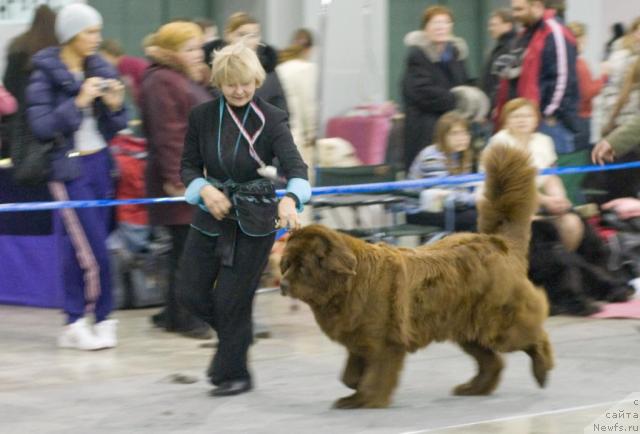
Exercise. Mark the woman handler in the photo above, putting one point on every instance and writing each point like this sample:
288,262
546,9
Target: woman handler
226,166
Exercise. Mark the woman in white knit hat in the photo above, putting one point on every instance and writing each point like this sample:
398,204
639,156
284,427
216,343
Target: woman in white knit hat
74,96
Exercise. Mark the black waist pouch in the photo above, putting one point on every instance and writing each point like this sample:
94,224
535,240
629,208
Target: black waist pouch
255,206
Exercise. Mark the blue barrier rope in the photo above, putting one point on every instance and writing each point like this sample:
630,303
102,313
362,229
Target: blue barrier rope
379,187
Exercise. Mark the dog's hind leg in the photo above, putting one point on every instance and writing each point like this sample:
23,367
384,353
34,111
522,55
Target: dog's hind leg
541,355
379,379
489,368
353,371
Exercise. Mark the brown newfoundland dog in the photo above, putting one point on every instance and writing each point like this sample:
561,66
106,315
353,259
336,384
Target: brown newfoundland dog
381,301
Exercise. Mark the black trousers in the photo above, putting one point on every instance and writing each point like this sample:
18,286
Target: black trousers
178,318
223,296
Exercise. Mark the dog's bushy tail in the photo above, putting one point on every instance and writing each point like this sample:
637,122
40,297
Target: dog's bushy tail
510,197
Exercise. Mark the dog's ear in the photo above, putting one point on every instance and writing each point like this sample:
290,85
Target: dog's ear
341,260
322,248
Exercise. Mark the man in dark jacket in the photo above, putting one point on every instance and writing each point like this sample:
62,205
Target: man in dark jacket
435,64
502,30
543,69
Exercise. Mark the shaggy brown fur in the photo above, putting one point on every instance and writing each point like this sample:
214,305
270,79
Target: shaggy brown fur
381,301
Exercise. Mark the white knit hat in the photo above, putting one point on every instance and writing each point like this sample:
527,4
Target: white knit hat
73,19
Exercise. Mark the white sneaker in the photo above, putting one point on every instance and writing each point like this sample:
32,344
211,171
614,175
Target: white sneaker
106,332
78,335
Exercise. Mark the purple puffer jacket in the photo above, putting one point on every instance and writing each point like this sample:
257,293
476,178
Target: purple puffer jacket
51,109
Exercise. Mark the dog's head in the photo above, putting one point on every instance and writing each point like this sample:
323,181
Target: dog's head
316,263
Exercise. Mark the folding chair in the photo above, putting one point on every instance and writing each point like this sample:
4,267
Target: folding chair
392,204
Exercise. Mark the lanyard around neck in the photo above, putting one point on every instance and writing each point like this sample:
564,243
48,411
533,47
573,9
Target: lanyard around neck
264,170
251,139
235,151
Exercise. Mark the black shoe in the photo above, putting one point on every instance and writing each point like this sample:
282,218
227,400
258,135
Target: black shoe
583,309
261,331
620,294
210,370
232,387
211,344
262,334
199,332
159,319
190,327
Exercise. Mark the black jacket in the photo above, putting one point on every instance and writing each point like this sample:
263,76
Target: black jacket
490,79
426,92
271,90
16,75
16,79
201,153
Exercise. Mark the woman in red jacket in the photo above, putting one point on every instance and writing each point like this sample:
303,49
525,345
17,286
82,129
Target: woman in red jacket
170,89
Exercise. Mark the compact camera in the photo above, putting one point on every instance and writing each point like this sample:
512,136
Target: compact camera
104,86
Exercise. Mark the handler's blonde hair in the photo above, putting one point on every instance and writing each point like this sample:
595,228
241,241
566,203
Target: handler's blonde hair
236,64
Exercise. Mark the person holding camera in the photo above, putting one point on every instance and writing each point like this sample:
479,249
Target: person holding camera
74,98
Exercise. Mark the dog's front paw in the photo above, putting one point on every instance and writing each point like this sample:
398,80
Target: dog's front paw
471,388
357,400
347,402
466,389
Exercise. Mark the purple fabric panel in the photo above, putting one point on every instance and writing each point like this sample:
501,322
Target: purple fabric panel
28,222
30,263
30,271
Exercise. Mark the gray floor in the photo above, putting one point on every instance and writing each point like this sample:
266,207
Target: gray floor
129,389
